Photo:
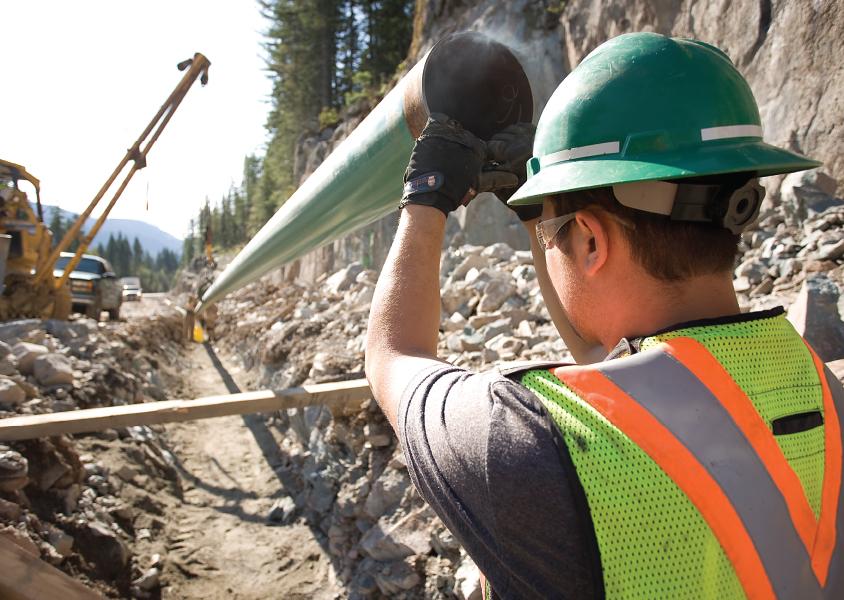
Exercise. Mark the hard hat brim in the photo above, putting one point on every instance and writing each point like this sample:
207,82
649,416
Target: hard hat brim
601,171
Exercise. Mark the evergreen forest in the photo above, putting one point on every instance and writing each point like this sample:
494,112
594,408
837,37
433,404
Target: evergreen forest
322,56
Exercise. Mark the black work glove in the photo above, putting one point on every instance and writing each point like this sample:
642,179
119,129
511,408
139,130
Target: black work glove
507,154
445,166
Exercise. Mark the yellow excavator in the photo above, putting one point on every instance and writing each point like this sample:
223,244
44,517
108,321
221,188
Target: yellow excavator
28,286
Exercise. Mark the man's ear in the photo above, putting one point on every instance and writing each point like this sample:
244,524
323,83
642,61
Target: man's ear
592,238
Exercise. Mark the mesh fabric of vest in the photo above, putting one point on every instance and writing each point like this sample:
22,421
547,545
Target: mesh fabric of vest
653,541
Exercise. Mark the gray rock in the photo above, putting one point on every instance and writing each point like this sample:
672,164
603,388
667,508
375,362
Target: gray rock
14,469
471,342
495,328
388,542
473,261
11,393
378,436
467,581
815,316
397,577
498,252
8,365
344,278
282,510
26,353
102,546
805,193
149,580
456,322
53,369
62,542
386,493
5,349
832,251
9,511
496,292
15,331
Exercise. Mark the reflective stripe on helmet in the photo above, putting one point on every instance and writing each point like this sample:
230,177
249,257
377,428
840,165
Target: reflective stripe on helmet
580,152
730,131
706,435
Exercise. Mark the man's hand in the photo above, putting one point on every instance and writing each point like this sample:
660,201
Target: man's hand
507,154
445,166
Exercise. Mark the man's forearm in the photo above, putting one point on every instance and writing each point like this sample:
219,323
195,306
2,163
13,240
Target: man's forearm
405,314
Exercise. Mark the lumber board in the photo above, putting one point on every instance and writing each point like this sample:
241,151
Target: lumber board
27,577
168,411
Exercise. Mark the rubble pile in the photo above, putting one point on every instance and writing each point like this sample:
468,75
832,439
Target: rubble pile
83,503
794,257
346,474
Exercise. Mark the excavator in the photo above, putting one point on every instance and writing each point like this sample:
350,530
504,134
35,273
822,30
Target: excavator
28,286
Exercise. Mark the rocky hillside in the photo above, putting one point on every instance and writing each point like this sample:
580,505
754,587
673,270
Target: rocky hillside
788,50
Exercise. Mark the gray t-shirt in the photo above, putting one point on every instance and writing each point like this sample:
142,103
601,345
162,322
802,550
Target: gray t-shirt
484,453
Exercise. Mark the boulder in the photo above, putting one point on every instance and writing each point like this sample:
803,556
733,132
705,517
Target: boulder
11,393
102,546
344,278
5,349
496,292
14,470
14,331
397,577
53,369
805,193
467,581
386,493
388,542
815,316
498,251
26,353
282,510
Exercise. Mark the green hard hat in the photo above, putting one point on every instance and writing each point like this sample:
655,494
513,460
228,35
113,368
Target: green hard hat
644,107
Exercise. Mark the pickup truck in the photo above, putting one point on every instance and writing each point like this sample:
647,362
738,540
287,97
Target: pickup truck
131,289
93,286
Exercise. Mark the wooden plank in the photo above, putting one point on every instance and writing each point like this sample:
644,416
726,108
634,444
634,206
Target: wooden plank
27,577
168,411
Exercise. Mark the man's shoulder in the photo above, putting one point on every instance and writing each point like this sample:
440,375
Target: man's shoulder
514,370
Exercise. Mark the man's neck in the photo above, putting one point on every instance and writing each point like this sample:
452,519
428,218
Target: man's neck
661,306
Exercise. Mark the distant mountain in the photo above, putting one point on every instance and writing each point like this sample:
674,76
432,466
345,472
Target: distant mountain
151,237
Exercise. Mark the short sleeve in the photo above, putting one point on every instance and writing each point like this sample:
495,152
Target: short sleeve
484,454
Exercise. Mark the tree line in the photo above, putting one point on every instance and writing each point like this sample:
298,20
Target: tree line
322,56
127,259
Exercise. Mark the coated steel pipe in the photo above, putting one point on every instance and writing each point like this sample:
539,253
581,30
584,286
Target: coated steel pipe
467,76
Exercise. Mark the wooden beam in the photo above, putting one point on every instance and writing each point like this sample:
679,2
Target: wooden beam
27,577
168,411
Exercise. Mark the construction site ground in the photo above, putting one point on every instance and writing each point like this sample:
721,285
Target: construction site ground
218,542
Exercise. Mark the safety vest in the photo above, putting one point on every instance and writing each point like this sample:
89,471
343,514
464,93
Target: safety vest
690,492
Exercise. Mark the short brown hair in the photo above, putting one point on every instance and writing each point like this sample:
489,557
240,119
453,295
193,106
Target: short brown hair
668,250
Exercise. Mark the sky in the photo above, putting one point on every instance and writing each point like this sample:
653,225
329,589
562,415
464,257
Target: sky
82,80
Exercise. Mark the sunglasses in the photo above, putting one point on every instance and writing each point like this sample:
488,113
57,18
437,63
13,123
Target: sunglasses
548,229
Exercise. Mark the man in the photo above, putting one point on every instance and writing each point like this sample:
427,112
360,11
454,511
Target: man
702,457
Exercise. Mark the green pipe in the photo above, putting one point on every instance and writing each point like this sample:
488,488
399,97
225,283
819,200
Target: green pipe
467,76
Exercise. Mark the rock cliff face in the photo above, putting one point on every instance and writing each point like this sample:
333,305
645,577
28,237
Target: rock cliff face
789,50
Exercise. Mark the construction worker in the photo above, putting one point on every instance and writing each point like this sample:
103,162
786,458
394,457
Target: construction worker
702,457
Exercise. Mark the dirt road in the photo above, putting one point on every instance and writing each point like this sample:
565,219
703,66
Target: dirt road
220,543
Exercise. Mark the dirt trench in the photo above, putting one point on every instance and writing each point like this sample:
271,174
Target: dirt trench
219,541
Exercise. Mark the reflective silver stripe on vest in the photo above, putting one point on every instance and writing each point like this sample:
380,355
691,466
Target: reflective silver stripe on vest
678,400
835,581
